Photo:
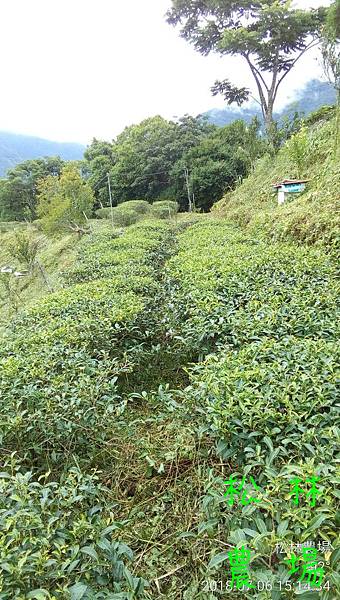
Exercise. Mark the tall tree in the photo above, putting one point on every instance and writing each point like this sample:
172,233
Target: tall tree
331,58
18,192
146,153
331,46
270,35
99,161
65,202
217,163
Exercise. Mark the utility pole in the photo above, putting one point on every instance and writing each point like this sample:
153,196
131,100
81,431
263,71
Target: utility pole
193,201
186,175
109,186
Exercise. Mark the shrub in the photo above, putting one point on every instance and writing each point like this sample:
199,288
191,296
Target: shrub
103,213
52,369
56,538
38,224
233,289
164,209
324,113
256,323
297,150
66,364
125,213
109,254
64,203
24,247
285,390
125,216
170,204
140,206
259,320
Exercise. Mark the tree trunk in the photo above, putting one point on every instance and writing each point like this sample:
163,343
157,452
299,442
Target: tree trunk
269,123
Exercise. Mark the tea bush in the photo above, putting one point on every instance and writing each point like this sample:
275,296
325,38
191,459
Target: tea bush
281,390
271,407
65,362
177,355
122,212
140,206
64,365
56,539
163,209
261,319
124,216
111,253
103,213
236,289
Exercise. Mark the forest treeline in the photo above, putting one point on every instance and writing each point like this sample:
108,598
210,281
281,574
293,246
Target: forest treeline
147,161
154,160
189,160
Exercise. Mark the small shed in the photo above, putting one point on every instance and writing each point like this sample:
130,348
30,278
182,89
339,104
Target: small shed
289,186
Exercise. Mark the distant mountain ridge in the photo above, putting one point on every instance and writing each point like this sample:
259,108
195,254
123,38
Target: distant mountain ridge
15,148
315,94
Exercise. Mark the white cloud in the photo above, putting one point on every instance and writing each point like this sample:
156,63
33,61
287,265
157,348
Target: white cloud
74,69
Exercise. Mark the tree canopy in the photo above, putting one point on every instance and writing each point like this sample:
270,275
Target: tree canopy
217,163
271,36
148,161
65,202
18,192
331,46
101,158
154,160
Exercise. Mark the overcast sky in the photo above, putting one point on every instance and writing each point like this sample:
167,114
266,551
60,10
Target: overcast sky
72,70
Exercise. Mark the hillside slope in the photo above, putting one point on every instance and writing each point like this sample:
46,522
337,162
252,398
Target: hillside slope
312,216
54,255
15,148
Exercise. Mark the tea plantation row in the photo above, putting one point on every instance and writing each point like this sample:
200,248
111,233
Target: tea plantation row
262,322
176,357
64,367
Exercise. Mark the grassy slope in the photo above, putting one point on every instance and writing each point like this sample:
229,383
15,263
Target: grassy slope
312,217
55,255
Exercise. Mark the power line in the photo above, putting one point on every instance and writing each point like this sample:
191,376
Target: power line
99,182
139,177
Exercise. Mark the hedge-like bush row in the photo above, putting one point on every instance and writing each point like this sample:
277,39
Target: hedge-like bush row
262,320
64,366
66,358
259,323
237,289
164,209
112,253
130,212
